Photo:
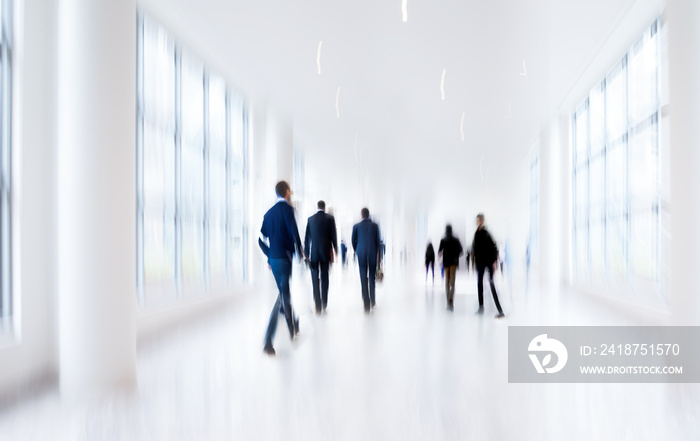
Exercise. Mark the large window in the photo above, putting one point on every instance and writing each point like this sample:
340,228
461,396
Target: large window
617,150
191,170
5,160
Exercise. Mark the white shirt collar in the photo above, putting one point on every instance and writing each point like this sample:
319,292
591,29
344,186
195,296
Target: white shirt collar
280,200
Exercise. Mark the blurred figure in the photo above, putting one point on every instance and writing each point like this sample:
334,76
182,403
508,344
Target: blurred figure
469,253
320,243
451,250
280,228
486,257
343,253
366,244
527,262
430,261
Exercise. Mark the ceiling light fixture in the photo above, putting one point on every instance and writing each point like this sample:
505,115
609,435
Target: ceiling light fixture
461,125
442,84
318,56
404,11
524,72
337,98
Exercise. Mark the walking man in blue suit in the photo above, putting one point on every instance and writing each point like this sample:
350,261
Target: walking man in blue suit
320,243
366,243
280,228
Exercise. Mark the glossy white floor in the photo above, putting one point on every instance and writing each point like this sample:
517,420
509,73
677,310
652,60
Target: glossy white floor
409,371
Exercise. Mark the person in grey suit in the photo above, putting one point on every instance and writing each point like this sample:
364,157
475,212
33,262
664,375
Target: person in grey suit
320,244
366,243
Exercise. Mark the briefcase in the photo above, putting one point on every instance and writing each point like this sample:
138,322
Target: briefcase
380,274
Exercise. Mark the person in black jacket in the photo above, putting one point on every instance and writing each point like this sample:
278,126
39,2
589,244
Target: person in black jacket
320,243
486,257
367,245
451,250
430,261
280,228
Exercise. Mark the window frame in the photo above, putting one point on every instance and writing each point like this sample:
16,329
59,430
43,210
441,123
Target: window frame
6,65
583,157
179,285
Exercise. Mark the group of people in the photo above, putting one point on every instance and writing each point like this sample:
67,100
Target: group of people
484,254
280,241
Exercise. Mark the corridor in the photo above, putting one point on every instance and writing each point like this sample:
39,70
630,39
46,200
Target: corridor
409,371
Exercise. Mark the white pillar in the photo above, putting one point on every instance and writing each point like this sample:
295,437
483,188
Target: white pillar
96,195
271,160
550,204
684,102
284,145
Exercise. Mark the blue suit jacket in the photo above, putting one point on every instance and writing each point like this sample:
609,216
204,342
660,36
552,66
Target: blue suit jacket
366,241
320,236
280,227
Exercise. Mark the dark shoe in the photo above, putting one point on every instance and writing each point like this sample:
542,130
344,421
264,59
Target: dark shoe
450,305
500,315
480,310
296,325
269,350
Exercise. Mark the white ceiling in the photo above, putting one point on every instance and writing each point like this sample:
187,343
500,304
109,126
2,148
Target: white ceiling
394,129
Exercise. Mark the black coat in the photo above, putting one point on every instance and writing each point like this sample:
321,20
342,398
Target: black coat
366,241
320,237
430,254
451,249
484,248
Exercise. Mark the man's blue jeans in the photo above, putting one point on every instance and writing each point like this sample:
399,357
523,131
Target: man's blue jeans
282,270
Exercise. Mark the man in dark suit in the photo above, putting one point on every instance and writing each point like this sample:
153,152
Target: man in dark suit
366,243
320,242
486,257
280,228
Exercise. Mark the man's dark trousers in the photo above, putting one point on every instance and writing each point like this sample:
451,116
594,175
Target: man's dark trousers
320,293
480,284
282,270
368,273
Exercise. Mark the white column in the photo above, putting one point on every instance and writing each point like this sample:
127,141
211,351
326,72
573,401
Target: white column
550,204
271,159
284,144
96,195
684,99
